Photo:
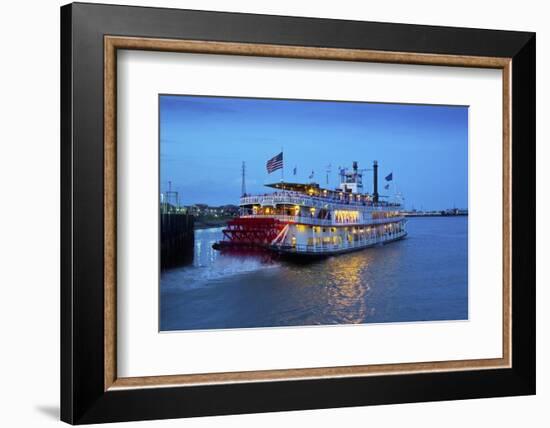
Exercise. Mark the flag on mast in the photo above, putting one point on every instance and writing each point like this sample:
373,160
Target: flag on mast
275,163
389,177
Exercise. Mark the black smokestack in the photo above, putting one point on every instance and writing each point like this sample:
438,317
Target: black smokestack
375,179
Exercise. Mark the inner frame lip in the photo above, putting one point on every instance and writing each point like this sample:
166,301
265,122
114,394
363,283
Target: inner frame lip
113,43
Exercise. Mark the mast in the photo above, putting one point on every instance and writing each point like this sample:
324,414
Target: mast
283,167
243,183
375,180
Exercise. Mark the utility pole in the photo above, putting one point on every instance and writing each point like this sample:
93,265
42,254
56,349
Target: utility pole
171,197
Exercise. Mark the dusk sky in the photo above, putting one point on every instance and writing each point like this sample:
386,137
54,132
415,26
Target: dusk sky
204,140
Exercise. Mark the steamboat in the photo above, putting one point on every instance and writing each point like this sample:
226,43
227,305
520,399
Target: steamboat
301,220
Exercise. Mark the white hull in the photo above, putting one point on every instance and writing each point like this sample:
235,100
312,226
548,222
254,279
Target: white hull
338,241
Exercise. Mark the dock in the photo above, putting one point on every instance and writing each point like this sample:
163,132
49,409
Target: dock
177,239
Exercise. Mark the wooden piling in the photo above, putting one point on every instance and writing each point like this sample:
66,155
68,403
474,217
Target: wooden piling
177,239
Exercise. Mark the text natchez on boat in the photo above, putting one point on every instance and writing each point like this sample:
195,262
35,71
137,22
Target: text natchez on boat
305,220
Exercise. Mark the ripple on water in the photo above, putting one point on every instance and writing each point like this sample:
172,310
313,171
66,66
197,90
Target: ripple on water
423,277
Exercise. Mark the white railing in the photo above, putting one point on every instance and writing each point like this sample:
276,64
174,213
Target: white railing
385,220
294,219
312,201
324,222
346,245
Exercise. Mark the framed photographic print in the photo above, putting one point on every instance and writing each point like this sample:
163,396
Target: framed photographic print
265,213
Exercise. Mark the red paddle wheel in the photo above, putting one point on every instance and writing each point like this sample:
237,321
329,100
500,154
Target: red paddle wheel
250,232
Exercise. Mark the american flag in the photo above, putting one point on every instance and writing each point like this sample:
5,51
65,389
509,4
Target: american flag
275,163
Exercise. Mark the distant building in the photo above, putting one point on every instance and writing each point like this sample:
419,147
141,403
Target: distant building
454,211
202,210
230,210
442,213
167,208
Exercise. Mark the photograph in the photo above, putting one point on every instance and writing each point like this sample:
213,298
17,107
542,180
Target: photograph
294,213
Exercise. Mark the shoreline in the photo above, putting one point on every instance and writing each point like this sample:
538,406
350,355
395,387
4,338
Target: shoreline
434,215
202,226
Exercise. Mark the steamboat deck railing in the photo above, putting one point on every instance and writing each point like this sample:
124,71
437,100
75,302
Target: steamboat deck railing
346,245
313,221
294,198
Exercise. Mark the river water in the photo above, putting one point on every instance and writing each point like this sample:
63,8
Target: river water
421,278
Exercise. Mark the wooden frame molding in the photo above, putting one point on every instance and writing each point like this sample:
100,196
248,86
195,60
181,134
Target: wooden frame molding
113,43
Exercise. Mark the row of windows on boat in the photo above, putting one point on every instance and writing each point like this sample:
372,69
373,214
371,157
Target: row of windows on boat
355,236
376,229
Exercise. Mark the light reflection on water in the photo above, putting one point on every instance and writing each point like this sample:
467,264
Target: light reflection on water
423,277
